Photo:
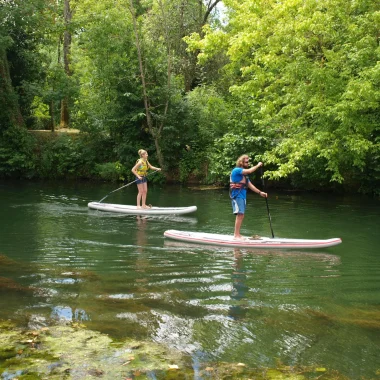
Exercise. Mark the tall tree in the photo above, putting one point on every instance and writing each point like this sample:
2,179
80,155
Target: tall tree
155,133
106,66
176,19
18,57
164,62
67,13
10,114
316,93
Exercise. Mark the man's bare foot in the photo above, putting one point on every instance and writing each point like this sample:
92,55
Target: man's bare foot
138,207
239,237
147,206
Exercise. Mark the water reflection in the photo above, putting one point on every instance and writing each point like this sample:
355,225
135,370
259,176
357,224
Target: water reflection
141,239
285,252
66,313
188,220
238,309
142,259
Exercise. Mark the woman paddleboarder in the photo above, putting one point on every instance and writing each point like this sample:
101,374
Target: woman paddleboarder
140,170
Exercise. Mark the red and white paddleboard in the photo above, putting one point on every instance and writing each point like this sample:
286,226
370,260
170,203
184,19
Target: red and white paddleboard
246,242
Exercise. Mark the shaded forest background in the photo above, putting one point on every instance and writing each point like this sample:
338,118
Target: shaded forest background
295,84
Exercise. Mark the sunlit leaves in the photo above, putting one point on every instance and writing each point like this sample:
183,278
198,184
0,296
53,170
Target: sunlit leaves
105,64
311,71
232,145
212,44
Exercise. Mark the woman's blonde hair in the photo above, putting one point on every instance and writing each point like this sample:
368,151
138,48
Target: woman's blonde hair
240,160
141,152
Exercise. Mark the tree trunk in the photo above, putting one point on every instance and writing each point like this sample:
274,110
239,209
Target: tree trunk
65,114
10,113
152,130
191,75
210,6
52,118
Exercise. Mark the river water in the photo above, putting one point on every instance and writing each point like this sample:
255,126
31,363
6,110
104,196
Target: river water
118,274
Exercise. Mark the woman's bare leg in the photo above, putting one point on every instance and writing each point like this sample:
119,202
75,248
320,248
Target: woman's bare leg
144,192
139,194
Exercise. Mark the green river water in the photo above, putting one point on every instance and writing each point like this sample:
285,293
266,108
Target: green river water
118,275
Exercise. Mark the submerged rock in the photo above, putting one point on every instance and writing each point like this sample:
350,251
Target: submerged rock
74,352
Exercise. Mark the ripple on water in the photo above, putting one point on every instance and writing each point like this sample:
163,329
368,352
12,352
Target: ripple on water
124,278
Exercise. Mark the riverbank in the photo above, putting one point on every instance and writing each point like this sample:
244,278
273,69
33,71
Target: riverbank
73,154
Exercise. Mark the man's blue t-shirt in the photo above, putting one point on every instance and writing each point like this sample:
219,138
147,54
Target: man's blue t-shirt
237,176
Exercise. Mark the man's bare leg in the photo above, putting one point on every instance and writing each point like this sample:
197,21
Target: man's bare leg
238,222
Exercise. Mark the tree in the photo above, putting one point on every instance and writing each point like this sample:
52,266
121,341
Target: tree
67,15
316,93
159,32
18,59
11,114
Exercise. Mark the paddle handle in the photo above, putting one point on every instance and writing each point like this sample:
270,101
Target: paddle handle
266,201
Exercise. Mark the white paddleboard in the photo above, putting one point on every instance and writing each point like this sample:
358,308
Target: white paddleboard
246,242
128,209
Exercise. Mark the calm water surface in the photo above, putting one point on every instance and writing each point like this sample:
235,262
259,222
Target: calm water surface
119,275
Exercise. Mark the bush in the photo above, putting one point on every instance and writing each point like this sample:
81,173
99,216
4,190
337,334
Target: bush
16,153
111,171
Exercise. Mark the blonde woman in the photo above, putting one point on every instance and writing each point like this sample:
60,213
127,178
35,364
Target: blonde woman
140,170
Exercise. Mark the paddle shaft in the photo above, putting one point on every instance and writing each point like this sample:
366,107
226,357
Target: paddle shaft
128,184
266,200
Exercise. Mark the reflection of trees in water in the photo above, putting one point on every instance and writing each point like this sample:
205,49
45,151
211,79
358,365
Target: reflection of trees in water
237,309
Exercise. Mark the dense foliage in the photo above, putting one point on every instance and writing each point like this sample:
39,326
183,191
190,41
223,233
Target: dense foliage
295,84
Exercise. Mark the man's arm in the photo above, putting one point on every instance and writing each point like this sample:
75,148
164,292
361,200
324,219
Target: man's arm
252,169
256,190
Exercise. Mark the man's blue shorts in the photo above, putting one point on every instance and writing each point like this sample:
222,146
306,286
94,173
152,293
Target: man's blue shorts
238,205
143,180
